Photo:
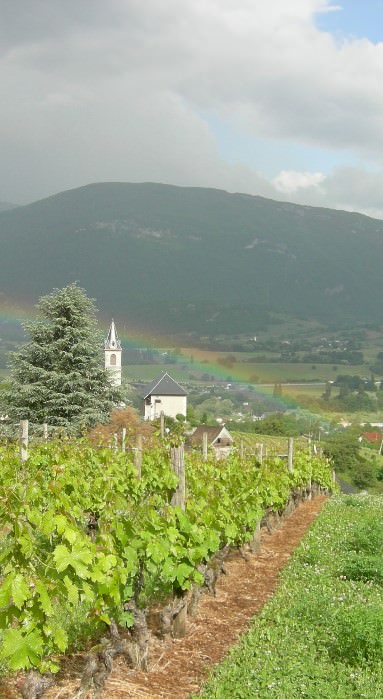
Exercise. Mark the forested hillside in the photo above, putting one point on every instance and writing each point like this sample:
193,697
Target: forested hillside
179,259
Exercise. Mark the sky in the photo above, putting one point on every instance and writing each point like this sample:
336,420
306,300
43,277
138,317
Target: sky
278,98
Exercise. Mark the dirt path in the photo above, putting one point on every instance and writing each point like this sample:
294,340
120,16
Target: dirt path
178,667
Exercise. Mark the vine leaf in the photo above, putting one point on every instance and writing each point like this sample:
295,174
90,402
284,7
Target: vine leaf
46,604
60,638
20,591
71,590
22,651
79,558
6,591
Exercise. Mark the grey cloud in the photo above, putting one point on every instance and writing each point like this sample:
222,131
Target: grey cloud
25,22
347,188
96,90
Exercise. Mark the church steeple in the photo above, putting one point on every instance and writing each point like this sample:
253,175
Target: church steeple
112,342
112,351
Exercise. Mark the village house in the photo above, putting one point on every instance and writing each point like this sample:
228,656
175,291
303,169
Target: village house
374,438
219,439
164,395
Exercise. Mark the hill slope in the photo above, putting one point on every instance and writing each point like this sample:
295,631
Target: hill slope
192,258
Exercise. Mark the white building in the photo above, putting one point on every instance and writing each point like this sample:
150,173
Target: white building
113,351
219,439
164,395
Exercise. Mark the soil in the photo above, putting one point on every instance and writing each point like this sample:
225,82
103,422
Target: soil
178,667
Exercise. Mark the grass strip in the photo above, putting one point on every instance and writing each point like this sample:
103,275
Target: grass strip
321,635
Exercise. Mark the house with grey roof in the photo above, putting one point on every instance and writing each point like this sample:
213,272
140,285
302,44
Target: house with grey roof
164,395
219,439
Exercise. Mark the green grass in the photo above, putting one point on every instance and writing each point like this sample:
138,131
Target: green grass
321,635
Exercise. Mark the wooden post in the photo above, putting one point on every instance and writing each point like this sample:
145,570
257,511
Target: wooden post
290,453
334,476
24,438
123,439
260,453
204,446
162,424
115,441
138,455
178,466
45,431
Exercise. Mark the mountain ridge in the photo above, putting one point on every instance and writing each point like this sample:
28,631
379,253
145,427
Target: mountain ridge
193,258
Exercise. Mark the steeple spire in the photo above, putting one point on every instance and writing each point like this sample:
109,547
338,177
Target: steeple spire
112,352
112,342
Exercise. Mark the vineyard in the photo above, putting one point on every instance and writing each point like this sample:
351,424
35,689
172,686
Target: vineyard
88,543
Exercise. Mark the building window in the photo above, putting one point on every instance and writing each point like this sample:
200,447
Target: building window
113,360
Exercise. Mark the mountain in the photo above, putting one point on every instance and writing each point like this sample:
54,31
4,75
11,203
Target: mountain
181,258
6,206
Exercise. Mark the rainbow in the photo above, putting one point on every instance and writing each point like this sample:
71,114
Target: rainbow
203,364
15,312
18,311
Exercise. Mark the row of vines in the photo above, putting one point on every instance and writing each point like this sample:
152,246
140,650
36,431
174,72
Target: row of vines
84,542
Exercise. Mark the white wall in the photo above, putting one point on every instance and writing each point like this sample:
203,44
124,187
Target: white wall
169,405
114,369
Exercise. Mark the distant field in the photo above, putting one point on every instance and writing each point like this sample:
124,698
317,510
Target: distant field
303,391
286,372
148,372
243,372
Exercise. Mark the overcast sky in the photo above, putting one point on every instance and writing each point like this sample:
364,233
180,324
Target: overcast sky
282,98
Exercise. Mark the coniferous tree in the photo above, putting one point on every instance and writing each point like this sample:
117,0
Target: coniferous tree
58,377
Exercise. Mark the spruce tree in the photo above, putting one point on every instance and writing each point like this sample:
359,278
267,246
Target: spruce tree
58,377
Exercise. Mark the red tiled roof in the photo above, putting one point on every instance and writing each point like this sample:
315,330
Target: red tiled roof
373,436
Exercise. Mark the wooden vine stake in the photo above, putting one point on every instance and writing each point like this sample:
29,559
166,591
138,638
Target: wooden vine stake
24,438
138,455
204,446
290,454
178,500
45,431
162,424
123,439
178,466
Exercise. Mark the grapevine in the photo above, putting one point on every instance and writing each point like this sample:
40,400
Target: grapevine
82,536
